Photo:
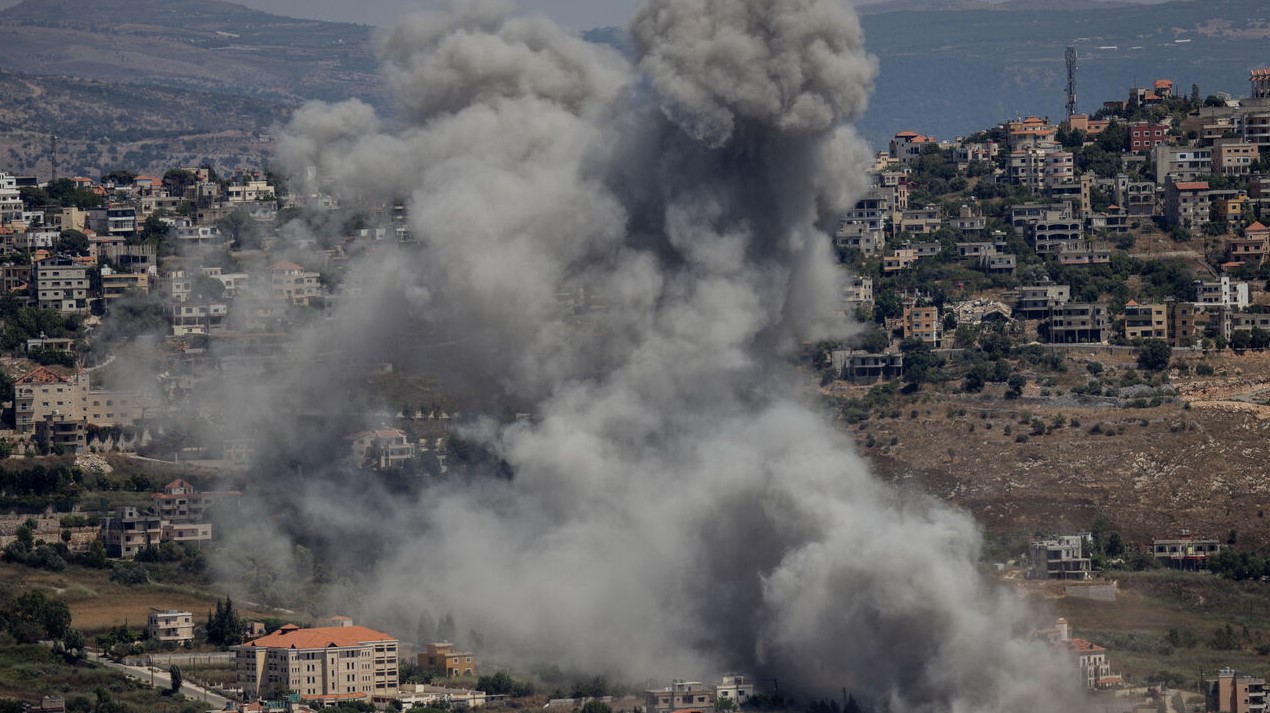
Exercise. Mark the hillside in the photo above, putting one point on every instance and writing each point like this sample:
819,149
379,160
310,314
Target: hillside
196,44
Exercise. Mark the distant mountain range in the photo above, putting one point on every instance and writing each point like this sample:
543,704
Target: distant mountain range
948,67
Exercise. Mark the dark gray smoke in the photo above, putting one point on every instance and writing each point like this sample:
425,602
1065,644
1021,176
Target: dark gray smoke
674,508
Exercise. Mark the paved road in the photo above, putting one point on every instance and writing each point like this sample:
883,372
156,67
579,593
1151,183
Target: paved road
158,677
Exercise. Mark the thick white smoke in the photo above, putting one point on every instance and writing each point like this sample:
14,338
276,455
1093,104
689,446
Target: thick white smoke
674,508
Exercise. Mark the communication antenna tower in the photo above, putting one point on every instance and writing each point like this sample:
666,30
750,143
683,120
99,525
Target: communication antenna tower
1071,81
53,155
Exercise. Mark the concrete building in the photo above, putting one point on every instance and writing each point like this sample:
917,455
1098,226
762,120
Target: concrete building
381,448
205,319
291,283
10,199
1222,292
1136,198
1260,81
62,284
906,146
1078,323
165,625
129,530
922,323
117,285
1059,557
1234,157
1187,321
323,664
861,367
734,687
442,658
1234,693
1252,247
1186,204
427,695
1039,301
1181,163
181,502
1149,321
1145,136
1184,552
680,696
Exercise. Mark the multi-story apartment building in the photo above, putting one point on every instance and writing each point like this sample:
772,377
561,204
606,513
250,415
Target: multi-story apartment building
292,283
205,319
60,283
1059,557
1078,323
10,200
1252,247
181,502
128,531
115,220
442,658
922,323
1186,322
680,696
1038,301
1031,132
382,448
857,290
1186,203
1181,163
1222,292
735,688
1260,80
1234,693
1234,157
1184,552
1145,136
321,664
43,392
249,190
1135,197
165,625
906,146
1149,321
117,285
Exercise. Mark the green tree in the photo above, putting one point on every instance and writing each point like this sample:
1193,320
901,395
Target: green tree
1154,355
597,707
174,673
72,242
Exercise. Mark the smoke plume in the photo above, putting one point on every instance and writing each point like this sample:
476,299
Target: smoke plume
629,253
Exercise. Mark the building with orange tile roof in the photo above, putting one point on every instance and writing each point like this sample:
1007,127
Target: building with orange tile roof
907,145
327,663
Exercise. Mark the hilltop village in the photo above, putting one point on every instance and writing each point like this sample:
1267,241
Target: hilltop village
1138,232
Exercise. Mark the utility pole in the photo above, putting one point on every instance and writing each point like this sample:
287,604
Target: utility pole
1071,81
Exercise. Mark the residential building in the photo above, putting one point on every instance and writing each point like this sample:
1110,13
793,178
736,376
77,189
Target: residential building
62,284
1023,214
1059,557
862,367
1184,552
59,433
1235,693
1039,301
1222,292
922,323
129,530
429,696
857,290
899,259
10,199
382,448
15,278
1048,233
322,664
1181,163
188,233
118,221
1186,322
919,221
907,145
1228,209
292,283
233,282
181,502
680,696
1149,321
1078,323
1145,136
249,190
165,625
205,318
1091,127
1135,197
442,658
1234,157
41,393
117,285
1079,252
969,219
1252,247
1031,132
1186,204
734,687
1260,81
1091,661
968,153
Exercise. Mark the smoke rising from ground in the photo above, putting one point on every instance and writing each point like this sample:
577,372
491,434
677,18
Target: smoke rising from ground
674,509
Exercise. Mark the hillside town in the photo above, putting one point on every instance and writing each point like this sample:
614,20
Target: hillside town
1139,227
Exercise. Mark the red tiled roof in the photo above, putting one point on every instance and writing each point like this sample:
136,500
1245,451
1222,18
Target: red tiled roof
42,375
1191,186
284,265
1081,646
1256,227
292,637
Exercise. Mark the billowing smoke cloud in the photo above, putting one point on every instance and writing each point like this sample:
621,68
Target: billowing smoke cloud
674,509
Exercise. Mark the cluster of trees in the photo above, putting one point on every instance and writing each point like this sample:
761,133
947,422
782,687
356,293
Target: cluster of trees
501,684
1238,564
224,628
63,193
34,617
25,549
22,323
